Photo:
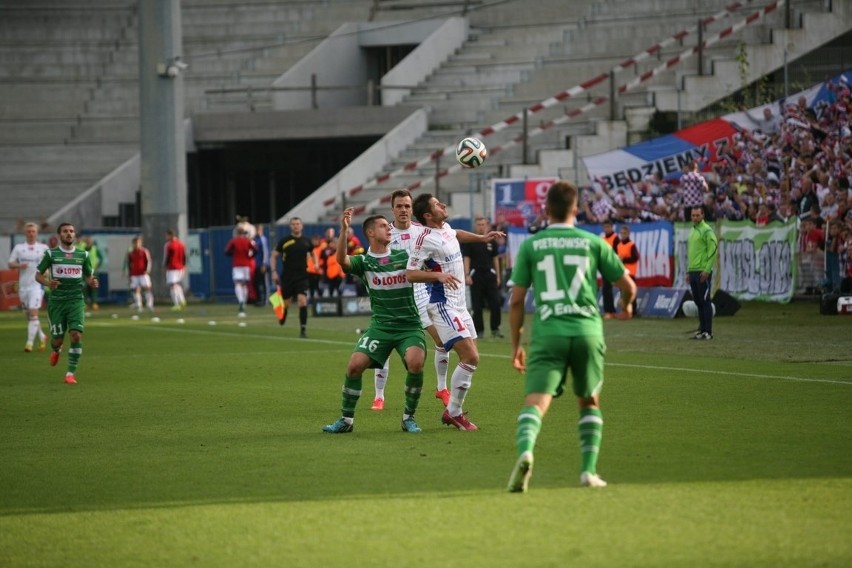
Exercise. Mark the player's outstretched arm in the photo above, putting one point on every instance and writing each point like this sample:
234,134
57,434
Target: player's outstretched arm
444,278
343,241
467,237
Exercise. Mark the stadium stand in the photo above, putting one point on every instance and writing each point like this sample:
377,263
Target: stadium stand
69,77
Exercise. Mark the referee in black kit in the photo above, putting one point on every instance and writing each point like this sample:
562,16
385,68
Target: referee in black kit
482,276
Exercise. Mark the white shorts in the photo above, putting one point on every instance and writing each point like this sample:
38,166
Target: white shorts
142,281
451,324
174,276
423,310
31,297
240,274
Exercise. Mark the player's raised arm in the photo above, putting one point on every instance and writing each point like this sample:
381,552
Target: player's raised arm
343,239
468,237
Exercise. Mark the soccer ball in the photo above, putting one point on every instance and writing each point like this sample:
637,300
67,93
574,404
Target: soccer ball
471,152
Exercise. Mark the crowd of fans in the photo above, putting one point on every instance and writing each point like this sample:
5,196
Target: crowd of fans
796,165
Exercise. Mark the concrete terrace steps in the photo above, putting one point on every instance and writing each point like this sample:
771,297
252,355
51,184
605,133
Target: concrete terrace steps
569,57
484,71
458,183
37,200
69,71
62,152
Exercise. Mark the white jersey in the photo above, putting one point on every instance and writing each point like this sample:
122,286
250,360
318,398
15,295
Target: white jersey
405,239
438,250
32,255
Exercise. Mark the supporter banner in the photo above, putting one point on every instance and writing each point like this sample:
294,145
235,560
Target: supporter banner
654,241
681,234
519,201
753,261
757,263
666,155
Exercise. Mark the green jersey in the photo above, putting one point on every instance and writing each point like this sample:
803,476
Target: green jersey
391,294
701,248
561,265
70,268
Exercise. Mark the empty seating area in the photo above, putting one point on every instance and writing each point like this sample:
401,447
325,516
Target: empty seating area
69,81
69,76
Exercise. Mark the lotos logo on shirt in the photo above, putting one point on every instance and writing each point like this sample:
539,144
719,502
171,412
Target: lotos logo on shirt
389,280
63,271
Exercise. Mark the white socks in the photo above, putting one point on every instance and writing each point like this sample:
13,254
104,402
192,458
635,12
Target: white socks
462,377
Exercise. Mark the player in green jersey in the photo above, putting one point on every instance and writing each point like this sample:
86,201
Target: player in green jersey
560,264
395,324
64,269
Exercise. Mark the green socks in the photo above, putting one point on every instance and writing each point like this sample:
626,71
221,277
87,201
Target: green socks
351,394
413,388
74,353
529,425
590,428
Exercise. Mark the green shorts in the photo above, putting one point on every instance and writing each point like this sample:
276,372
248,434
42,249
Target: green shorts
378,344
65,315
550,359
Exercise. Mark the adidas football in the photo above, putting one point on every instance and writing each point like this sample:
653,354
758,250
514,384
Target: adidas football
471,152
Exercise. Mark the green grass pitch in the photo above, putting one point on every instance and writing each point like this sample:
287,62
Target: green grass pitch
199,445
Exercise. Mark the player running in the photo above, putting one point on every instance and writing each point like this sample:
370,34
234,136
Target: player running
66,267
25,258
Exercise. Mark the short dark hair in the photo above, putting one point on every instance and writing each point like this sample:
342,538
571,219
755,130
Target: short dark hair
399,193
370,221
59,228
561,200
421,206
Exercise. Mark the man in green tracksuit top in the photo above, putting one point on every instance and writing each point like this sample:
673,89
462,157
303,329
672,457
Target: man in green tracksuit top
701,250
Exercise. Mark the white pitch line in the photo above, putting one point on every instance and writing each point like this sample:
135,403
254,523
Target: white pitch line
704,371
496,356
731,373
161,327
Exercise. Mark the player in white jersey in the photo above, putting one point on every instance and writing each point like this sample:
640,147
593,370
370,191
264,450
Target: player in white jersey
437,250
404,234
25,258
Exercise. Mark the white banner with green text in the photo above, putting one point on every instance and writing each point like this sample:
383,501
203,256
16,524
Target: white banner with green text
755,263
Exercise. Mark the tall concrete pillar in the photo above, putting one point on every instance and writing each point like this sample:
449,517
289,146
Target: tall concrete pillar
163,145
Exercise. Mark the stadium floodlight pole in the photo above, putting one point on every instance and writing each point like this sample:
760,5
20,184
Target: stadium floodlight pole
162,136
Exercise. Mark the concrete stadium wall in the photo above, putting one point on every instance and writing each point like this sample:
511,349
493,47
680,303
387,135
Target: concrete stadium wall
341,60
421,62
359,170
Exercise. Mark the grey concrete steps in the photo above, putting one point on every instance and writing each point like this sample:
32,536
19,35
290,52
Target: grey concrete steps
62,153
32,132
